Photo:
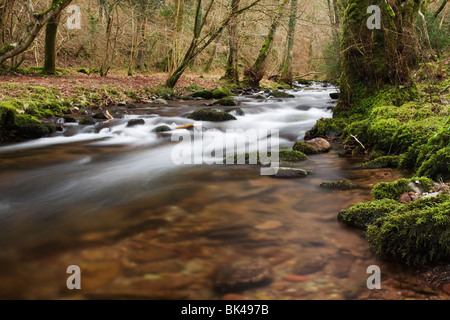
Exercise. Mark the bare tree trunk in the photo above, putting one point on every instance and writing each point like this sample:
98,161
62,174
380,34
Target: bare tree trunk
286,67
50,44
255,74
174,57
232,72
213,54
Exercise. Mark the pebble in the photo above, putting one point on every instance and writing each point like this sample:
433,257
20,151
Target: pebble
234,296
268,225
295,278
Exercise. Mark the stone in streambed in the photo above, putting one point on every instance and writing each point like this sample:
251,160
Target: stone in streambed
98,274
135,123
268,225
211,115
290,173
309,265
295,278
161,129
151,254
227,102
334,95
337,185
241,275
319,144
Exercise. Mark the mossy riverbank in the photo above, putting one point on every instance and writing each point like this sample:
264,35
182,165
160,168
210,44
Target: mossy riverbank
407,129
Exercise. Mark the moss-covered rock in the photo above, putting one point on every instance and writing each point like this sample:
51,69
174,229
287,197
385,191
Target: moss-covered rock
161,129
393,190
304,148
416,233
205,94
281,95
28,127
381,162
211,115
364,214
337,185
228,102
296,156
221,93
86,122
135,123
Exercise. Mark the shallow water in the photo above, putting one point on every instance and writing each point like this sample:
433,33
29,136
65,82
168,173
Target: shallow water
112,201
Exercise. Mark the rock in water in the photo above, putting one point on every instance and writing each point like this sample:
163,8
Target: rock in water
310,265
319,144
135,122
334,95
210,115
161,129
241,275
290,173
268,225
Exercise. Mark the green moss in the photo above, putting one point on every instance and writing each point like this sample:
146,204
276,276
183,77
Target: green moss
304,147
437,166
393,190
337,185
327,128
84,71
417,233
381,162
164,92
221,93
297,156
364,214
211,115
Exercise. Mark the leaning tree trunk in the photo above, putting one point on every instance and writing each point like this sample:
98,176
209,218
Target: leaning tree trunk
286,66
199,43
50,44
38,21
254,75
374,58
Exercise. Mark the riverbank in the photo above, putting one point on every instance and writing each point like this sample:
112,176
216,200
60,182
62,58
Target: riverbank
408,129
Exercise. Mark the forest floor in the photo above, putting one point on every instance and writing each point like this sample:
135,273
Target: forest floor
70,81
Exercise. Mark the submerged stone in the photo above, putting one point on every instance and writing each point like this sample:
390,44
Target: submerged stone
338,185
238,276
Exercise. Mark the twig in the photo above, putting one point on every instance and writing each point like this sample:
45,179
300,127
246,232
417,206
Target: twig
354,137
448,87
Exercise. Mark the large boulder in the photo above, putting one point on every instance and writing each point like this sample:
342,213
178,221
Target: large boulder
319,144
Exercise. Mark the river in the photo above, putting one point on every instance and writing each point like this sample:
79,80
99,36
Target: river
111,200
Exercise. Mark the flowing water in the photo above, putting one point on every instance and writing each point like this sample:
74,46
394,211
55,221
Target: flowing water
111,200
